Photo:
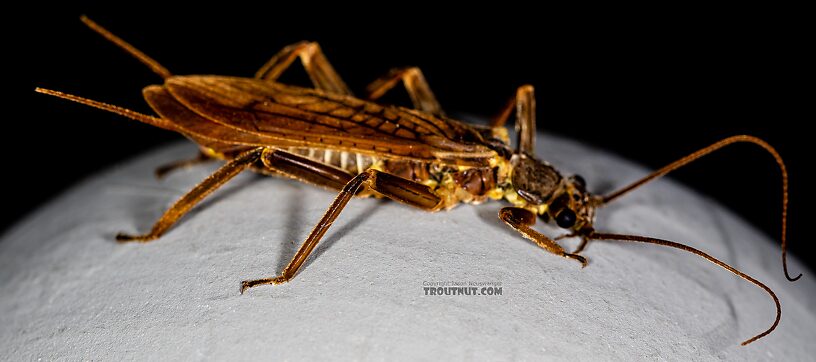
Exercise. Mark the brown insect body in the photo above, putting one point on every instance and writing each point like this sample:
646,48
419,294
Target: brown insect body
327,137
453,158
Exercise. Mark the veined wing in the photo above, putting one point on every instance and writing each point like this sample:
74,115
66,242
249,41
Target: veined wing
316,119
204,131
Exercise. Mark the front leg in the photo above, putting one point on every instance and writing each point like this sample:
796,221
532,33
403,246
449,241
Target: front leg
521,219
581,246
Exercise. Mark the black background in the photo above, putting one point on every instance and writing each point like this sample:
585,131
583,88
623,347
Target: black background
651,85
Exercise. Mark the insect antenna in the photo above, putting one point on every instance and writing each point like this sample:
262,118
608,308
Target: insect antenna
136,53
672,244
709,149
153,121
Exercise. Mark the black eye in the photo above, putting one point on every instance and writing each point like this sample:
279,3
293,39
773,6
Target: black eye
565,218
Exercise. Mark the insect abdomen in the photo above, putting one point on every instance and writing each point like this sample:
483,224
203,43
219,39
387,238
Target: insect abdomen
352,162
452,184
355,163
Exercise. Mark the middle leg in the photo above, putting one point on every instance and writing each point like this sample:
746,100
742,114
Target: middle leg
415,84
524,104
320,71
395,188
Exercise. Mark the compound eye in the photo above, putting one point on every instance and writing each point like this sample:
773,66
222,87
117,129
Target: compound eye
565,218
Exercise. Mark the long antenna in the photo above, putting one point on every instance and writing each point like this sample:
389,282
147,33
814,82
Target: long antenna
672,244
136,53
704,151
153,121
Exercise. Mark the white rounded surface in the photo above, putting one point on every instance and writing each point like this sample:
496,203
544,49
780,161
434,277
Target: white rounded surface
70,292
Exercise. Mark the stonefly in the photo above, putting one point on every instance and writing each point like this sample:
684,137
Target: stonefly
327,137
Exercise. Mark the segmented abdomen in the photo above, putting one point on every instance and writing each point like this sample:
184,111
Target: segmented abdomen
356,163
452,184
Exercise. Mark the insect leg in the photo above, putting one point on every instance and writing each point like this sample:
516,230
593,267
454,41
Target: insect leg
581,246
521,220
524,104
415,84
186,202
305,169
320,71
162,171
393,187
